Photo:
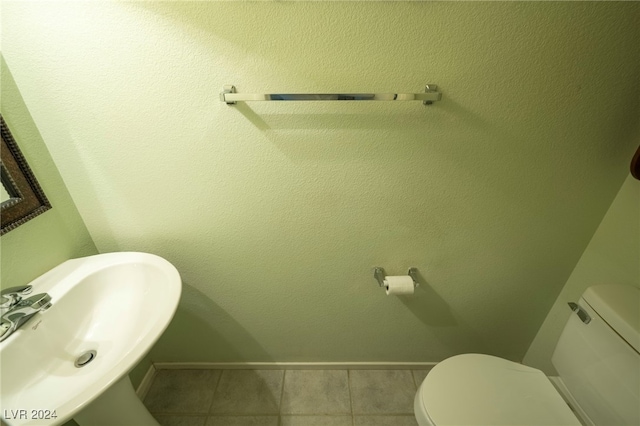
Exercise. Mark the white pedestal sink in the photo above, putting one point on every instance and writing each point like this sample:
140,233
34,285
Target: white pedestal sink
115,304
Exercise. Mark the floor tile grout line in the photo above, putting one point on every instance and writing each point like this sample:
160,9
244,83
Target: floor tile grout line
284,377
178,413
413,378
258,414
353,420
215,389
316,415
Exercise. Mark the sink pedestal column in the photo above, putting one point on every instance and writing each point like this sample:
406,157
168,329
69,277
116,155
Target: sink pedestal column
117,406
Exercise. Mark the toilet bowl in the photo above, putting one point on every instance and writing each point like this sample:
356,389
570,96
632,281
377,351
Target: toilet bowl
474,389
597,357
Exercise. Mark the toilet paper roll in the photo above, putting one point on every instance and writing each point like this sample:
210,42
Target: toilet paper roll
398,285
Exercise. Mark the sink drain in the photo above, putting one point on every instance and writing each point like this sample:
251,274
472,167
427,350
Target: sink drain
85,358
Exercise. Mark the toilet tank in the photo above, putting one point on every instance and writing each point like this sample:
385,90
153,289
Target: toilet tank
599,359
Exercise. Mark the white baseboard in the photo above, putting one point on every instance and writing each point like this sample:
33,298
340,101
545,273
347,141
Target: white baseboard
294,365
145,384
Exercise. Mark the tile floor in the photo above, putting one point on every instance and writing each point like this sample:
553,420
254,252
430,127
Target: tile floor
284,397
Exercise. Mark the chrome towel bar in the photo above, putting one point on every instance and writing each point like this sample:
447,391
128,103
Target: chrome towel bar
430,95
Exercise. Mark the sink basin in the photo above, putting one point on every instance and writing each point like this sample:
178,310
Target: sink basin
115,304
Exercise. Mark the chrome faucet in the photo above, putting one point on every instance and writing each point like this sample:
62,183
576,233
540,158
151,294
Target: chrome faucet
9,297
17,310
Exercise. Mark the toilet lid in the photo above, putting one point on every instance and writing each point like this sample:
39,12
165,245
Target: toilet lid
474,389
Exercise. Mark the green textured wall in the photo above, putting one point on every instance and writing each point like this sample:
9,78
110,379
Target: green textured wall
276,213
612,257
59,233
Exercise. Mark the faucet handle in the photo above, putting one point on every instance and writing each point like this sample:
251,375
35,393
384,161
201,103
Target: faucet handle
9,297
37,301
21,290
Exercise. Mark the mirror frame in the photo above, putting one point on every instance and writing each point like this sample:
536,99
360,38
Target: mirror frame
635,165
27,197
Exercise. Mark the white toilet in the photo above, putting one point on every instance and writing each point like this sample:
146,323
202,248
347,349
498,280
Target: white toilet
597,357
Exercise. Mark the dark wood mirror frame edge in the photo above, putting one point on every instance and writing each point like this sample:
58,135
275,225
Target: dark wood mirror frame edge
33,201
635,165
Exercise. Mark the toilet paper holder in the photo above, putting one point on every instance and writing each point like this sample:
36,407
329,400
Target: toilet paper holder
379,274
